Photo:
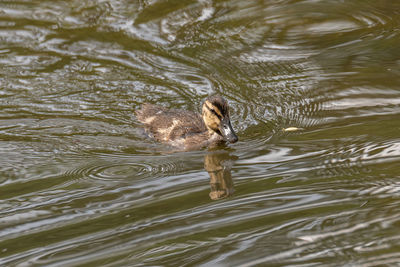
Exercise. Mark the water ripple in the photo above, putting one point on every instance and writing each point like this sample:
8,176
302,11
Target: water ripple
80,181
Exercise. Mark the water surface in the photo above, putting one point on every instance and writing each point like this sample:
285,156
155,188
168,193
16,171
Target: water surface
81,184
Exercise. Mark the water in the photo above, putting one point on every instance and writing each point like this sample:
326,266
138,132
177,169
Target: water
81,184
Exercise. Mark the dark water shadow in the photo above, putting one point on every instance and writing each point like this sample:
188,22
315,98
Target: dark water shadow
218,164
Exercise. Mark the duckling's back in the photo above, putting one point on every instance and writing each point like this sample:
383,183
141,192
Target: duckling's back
170,125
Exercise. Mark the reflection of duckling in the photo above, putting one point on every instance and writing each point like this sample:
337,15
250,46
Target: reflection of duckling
218,166
187,129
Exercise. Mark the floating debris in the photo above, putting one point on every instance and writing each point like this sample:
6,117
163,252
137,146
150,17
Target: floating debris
292,129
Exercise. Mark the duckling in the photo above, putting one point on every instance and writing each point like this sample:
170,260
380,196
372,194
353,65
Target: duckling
189,130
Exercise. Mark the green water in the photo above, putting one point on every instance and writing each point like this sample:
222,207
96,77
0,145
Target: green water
82,185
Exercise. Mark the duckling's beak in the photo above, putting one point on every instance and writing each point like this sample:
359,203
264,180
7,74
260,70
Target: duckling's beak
227,131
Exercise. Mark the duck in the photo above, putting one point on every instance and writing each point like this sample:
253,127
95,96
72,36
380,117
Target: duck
186,129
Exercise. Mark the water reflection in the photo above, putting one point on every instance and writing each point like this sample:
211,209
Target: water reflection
218,164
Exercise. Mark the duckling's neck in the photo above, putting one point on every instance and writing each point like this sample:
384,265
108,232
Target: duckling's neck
213,136
202,139
211,133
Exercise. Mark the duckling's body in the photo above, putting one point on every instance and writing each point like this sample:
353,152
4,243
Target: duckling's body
189,130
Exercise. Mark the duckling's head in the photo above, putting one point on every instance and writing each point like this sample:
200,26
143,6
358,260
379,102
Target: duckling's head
216,117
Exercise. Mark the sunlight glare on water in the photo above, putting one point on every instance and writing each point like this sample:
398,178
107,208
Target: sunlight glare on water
313,89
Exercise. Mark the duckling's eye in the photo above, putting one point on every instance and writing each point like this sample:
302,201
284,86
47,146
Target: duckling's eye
213,111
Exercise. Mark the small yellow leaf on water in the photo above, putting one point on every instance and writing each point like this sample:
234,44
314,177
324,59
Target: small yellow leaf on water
292,129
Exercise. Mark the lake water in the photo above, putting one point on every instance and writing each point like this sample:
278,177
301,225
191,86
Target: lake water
82,185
